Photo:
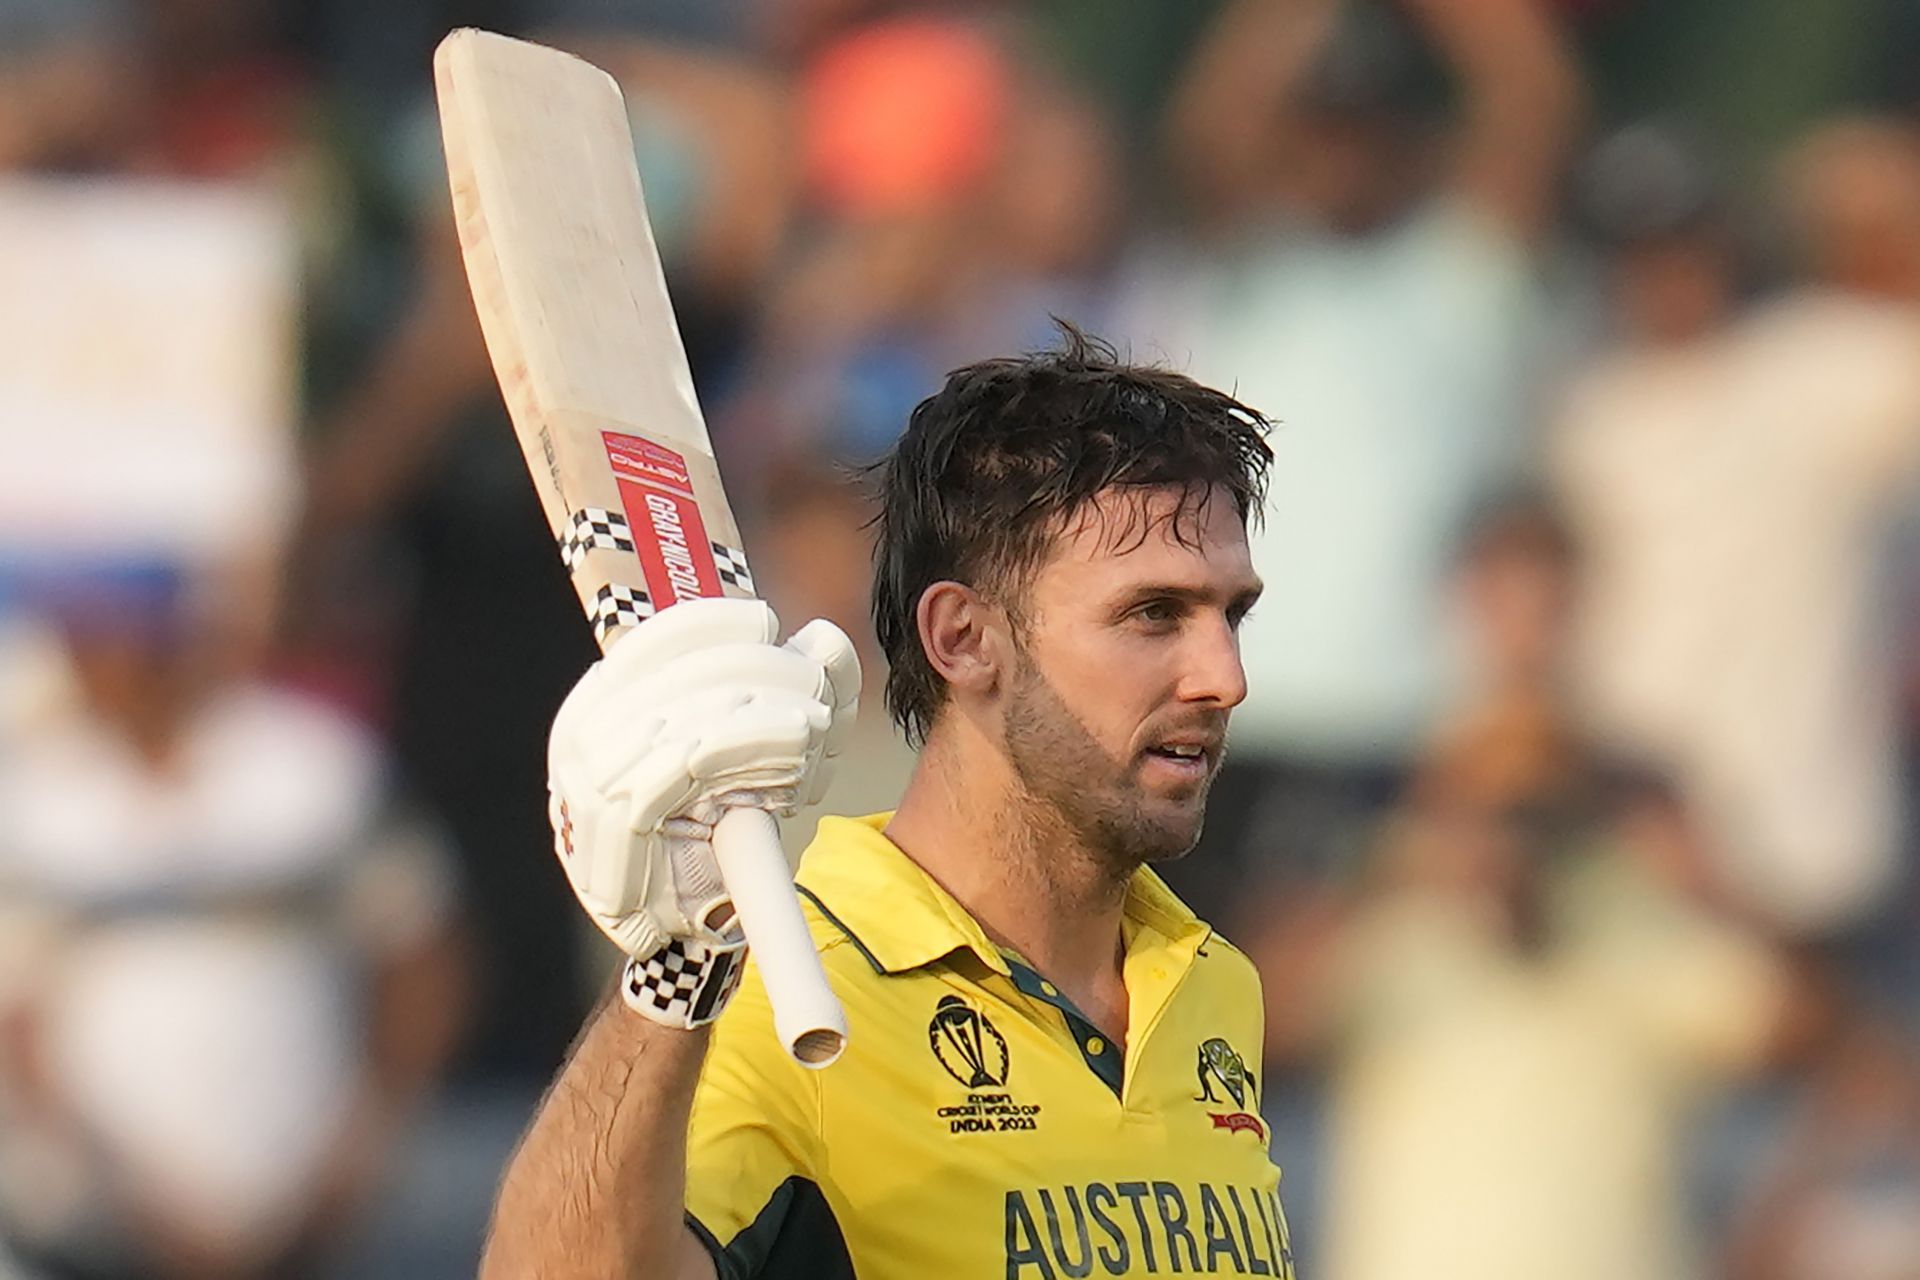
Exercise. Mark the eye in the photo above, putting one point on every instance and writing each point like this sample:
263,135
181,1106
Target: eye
1160,612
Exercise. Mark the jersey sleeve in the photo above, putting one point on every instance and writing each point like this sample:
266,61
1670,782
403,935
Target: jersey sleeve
753,1142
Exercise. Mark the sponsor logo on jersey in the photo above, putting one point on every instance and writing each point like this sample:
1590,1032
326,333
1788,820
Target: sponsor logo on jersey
1224,1078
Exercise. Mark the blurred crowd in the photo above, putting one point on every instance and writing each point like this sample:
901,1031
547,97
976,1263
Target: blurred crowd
1570,818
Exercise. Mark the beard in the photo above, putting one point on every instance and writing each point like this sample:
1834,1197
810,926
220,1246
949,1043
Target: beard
1076,783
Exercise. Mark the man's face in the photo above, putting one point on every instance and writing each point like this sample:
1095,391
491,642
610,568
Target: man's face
1129,663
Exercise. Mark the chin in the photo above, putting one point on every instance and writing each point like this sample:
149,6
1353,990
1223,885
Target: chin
1158,838
1176,846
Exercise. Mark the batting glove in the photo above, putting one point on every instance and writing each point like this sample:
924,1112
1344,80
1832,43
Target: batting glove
693,712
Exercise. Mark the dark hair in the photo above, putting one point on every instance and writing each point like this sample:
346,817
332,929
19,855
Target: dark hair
993,464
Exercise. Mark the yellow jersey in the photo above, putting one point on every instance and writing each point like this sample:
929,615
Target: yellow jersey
978,1125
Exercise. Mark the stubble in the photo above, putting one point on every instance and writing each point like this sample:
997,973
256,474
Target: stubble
1072,782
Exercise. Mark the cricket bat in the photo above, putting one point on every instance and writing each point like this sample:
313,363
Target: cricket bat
568,285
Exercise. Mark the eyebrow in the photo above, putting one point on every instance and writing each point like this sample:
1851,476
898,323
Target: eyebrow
1245,597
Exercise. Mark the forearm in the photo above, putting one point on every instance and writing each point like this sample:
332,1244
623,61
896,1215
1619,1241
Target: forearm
62,104
598,1185
1524,100
1509,53
374,444
1236,91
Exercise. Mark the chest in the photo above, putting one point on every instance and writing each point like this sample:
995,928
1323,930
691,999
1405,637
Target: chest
986,1139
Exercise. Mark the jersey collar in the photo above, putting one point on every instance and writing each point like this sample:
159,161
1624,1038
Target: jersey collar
900,918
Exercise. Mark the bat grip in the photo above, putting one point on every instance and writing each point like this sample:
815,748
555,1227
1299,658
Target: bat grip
806,1015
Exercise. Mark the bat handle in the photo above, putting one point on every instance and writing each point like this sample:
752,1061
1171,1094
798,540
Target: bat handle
806,1015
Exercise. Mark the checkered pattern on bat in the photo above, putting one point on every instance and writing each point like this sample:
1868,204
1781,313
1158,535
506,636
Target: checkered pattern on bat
615,606
731,564
594,528
684,984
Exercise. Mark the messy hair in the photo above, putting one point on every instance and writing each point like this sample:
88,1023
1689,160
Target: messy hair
995,464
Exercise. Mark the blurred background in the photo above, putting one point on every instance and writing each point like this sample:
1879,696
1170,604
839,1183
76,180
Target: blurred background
1569,819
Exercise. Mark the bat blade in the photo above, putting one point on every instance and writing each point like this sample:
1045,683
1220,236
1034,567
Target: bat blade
573,304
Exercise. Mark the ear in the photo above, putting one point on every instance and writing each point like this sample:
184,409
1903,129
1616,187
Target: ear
964,637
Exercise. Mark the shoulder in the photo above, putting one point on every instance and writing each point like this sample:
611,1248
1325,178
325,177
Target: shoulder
1805,336
1227,971
1606,411
1167,922
841,950
745,1045
1226,957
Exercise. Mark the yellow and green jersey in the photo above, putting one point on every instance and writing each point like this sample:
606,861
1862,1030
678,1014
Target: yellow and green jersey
978,1125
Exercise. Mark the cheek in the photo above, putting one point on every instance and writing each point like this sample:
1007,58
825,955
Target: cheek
1113,681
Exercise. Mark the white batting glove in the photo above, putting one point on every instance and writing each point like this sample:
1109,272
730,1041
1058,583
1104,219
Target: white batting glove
695,711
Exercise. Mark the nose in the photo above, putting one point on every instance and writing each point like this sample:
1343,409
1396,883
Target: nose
1214,674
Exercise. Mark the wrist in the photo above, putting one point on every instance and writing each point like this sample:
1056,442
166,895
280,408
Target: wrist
685,984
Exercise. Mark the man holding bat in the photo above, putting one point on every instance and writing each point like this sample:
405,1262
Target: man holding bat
1052,1065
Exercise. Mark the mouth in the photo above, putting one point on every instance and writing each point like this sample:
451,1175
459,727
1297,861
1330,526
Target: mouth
1184,758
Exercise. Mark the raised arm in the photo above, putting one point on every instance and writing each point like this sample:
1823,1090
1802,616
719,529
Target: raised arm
695,711
1240,97
598,1186
1235,92
1523,103
62,102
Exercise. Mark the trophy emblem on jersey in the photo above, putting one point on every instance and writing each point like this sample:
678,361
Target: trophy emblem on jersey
968,1045
1219,1065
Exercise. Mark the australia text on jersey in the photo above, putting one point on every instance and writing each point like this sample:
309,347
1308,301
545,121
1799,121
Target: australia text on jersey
1145,1228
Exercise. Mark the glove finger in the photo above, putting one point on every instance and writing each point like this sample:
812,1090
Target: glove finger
830,647
748,666
595,757
657,787
623,708
611,876
690,826
631,726
690,627
634,933
766,733
745,793
840,731
614,714
696,716
615,761
775,789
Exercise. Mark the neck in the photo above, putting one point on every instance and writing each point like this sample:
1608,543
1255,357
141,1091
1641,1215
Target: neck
1033,886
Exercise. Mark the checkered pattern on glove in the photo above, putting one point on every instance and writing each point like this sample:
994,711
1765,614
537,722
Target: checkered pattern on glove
686,983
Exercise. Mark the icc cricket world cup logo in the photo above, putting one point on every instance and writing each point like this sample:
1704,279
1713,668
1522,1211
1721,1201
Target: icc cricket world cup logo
967,1044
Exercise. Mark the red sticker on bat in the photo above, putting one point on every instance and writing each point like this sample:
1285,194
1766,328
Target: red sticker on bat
668,534
645,462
